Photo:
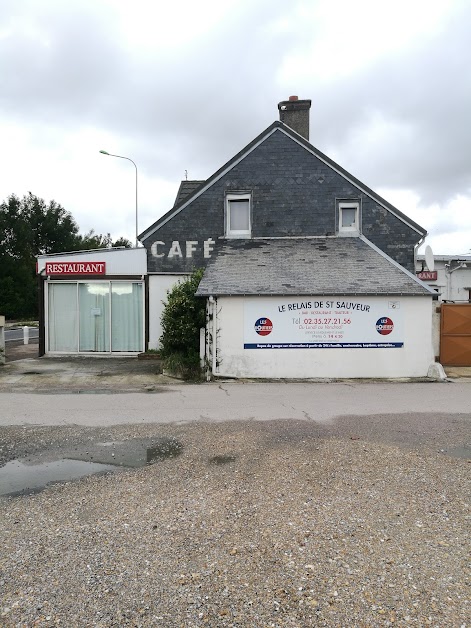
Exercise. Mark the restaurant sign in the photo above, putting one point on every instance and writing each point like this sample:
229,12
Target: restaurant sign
427,275
75,268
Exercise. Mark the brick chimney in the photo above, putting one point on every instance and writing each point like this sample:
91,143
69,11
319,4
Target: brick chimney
295,114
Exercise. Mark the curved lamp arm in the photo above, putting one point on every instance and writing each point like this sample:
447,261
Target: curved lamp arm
104,152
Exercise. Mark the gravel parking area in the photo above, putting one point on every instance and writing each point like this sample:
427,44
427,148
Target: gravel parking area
272,524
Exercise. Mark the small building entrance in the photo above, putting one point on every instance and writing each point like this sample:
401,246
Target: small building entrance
455,334
95,316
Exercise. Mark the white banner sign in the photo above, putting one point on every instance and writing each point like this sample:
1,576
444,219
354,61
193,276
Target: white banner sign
323,323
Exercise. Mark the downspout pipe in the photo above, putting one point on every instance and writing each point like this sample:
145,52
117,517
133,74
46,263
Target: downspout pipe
416,248
42,312
213,303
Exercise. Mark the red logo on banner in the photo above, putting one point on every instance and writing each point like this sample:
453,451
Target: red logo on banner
263,326
384,326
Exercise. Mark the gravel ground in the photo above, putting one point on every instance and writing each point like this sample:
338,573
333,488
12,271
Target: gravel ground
255,524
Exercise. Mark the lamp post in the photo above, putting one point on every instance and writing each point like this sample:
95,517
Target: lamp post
104,152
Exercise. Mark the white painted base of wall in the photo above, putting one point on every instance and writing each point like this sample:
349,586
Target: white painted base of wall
159,285
436,371
411,360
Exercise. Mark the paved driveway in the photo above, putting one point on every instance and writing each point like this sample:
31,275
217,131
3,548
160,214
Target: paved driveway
164,403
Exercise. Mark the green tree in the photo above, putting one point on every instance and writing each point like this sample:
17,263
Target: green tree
30,227
92,240
123,242
49,227
183,316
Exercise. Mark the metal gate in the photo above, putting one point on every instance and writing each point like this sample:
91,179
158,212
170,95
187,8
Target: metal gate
455,334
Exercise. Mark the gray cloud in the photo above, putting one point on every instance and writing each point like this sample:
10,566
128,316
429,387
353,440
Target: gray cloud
195,107
58,64
428,92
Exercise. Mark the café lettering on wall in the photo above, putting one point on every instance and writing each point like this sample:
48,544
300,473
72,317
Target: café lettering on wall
186,249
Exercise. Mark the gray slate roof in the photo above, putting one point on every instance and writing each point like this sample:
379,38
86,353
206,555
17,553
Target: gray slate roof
306,266
183,200
186,189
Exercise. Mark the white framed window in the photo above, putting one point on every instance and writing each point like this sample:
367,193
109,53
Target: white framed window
95,316
238,216
349,217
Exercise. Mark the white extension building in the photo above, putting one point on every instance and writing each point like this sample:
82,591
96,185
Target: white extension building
93,302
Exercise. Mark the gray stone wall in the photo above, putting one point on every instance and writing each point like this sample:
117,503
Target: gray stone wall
293,194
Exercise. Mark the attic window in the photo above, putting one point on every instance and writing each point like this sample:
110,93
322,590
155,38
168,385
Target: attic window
238,219
349,218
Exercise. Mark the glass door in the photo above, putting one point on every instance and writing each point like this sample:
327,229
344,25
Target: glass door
94,316
126,316
62,317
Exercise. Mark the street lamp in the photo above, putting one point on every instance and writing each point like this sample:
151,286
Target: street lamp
104,152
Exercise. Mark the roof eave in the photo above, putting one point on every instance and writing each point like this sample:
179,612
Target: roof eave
299,293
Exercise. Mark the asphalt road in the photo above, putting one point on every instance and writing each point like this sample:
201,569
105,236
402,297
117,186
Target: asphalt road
17,334
321,403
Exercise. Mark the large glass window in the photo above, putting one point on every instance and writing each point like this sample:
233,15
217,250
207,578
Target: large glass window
63,317
96,316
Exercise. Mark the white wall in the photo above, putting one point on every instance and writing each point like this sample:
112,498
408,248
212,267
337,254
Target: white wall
158,288
454,286
436,322
411,360
458,283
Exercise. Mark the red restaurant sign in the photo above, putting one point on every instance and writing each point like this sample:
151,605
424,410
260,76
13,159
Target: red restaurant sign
75,268
428,275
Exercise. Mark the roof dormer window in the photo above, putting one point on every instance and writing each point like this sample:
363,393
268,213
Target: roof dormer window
238,216
349,218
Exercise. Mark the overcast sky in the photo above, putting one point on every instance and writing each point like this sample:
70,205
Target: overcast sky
185,85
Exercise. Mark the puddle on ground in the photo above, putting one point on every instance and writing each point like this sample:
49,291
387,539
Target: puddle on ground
32,474
221,459
17,478
131,453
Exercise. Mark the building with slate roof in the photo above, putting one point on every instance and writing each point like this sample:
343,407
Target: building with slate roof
306,266
308,272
